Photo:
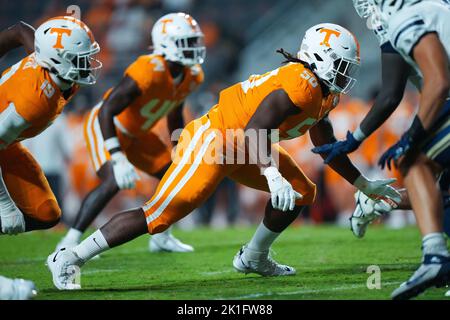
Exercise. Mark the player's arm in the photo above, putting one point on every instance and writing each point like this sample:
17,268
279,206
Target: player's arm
175,121
20,34
322,133
394,74
272,111
432,60
121,96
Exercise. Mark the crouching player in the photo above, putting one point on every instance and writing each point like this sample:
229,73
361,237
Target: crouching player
290,100
118,130
415,41
33,92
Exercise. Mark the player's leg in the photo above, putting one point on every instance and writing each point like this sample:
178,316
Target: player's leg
152,156
91,206
96,200
25,192
254,257
187,183
426,201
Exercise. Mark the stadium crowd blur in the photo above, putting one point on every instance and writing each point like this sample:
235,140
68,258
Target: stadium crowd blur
122,27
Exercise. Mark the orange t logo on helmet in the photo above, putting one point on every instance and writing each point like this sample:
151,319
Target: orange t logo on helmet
328,34
60,32
164,22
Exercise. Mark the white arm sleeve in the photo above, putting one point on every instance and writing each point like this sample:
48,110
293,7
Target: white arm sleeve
11,125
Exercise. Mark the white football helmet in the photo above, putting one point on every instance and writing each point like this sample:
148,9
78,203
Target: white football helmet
363,8
178,37
333,53
65,46
366,9
389,7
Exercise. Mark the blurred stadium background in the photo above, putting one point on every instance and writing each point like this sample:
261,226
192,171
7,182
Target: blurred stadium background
241,39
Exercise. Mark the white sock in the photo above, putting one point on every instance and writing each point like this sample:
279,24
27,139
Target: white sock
91,246
435,243
262,239
73,236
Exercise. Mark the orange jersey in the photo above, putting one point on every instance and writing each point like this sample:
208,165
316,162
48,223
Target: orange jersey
34,94
239,102
159,94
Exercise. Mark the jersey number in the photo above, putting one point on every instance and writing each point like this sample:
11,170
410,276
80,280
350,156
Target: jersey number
159,66
307,76
148,111
48,89
46,86
295,131
257,80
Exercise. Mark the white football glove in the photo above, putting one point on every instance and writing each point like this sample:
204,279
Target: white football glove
379,189
281,191
12,221
124,172
366,211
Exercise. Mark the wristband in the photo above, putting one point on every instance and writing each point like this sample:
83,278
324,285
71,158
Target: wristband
417,132
116,156
112,143
271,173
359,135
361,182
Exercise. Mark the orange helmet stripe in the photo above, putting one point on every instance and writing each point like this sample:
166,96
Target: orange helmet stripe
357,46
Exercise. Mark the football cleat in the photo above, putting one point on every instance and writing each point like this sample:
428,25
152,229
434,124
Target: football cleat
65,265
64,243
433,272
163,242
16,289
260,262
366,211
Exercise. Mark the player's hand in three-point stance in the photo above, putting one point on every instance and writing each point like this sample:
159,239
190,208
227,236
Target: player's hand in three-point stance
124,172
281,191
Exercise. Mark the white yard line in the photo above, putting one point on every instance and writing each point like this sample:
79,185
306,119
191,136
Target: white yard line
213,273
304,291
94,271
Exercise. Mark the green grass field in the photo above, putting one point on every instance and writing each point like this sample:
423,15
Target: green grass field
330,263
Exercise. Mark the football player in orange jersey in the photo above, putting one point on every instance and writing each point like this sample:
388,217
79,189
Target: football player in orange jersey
118,130
290,100
33,92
